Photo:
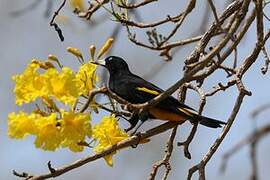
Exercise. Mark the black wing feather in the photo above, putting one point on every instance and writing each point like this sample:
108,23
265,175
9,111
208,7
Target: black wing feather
127,88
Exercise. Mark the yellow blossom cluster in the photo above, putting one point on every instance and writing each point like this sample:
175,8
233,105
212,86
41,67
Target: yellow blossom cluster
51,132
66,86
59,94
87,78
54,128
108,133
29,85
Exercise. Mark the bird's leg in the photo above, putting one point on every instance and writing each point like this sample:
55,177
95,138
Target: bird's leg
133,122
143,116
136,129
138,134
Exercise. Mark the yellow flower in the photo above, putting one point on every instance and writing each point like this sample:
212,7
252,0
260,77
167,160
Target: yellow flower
51,133
105,48
20,125
63,86
74,129
108,133
29,85
77,4
92,50
48,134
87,77
76,52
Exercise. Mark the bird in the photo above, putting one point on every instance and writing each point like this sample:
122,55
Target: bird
137,90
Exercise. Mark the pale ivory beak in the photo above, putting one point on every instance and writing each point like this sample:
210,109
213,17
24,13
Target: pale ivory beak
100,62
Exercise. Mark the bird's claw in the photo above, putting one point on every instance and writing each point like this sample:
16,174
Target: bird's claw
139,135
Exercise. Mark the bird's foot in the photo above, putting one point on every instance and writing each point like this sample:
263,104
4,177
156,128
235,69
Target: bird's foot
139,135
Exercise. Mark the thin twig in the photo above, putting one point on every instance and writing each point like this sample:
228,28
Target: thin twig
254,137
264,69
123,144
133,6
91,97
93,7
201,165
242,92
54,24
259,110
165,161
187,142
214,11
253,156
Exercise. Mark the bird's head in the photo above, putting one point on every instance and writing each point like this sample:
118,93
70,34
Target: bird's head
114,64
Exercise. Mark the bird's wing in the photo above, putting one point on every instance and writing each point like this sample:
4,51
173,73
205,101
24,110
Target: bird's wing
143,91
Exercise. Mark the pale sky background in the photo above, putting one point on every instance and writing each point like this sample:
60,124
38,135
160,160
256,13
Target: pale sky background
29,36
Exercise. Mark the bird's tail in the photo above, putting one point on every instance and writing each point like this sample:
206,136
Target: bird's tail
209,122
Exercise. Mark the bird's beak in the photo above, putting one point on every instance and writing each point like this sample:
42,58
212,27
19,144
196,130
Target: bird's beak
100,62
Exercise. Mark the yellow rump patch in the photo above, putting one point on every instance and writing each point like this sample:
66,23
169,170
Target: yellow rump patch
147,90
187,112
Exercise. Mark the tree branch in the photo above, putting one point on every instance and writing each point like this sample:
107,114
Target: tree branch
123,144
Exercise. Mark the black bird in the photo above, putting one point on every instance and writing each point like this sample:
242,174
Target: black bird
135,90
